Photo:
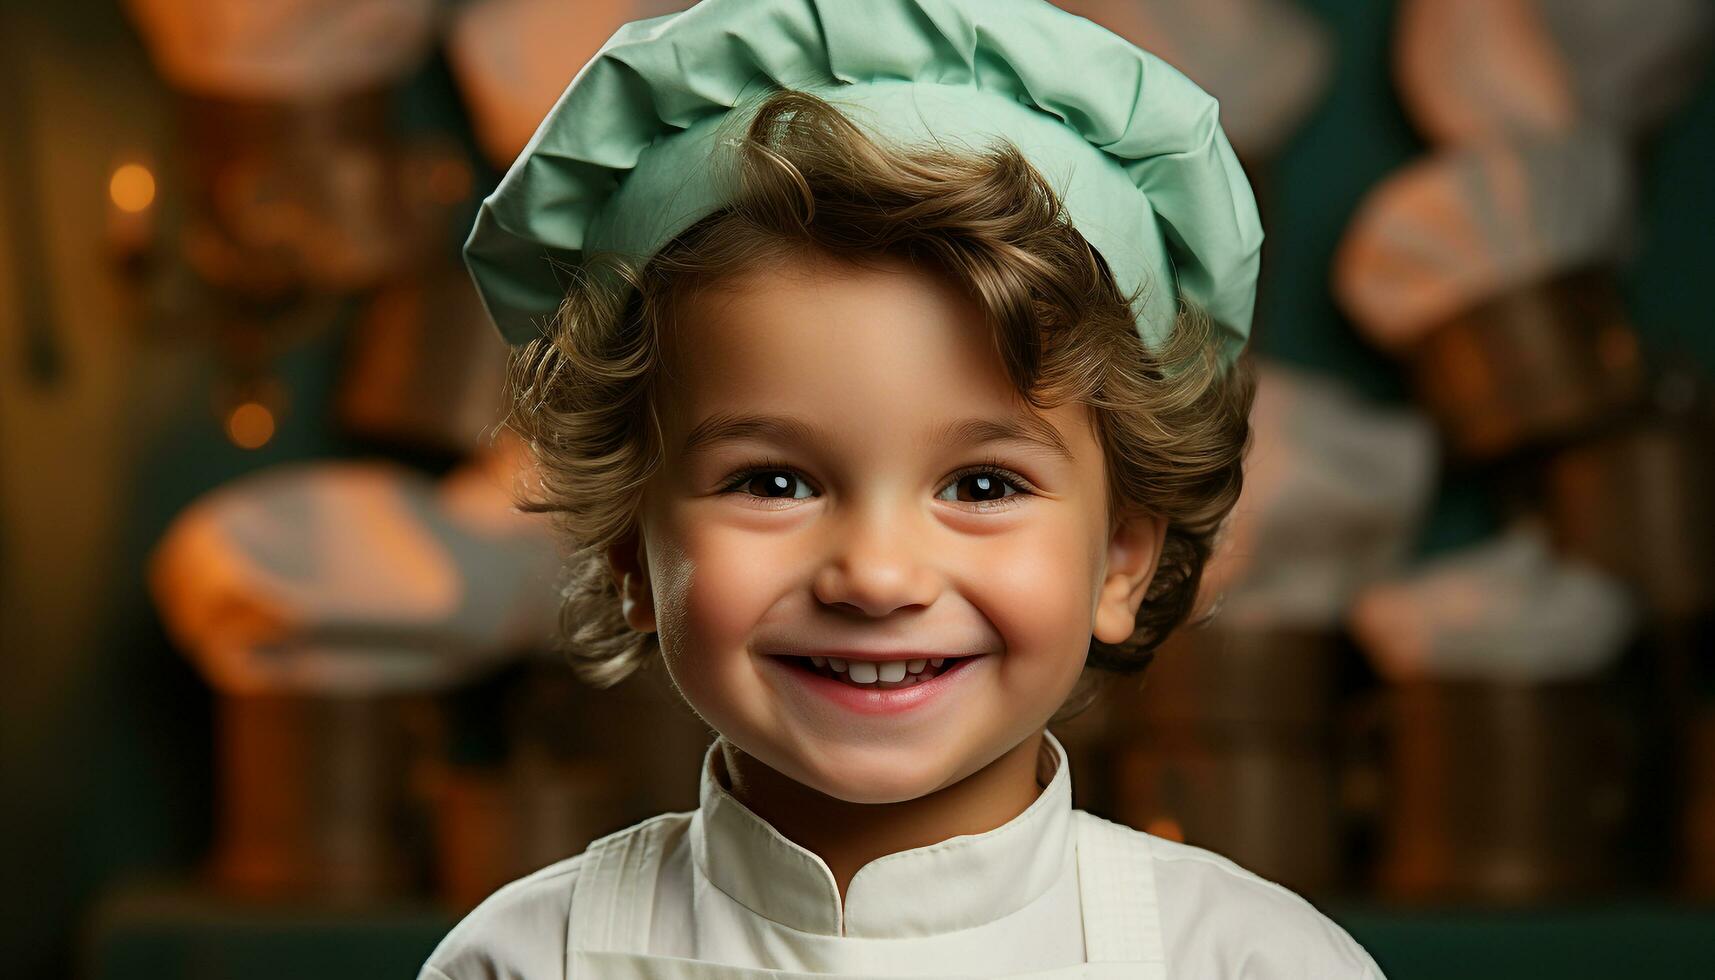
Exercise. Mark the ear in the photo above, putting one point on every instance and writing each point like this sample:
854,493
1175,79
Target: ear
631,575
1132,556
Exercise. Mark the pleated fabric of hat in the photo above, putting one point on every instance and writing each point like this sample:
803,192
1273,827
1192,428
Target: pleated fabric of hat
626,159
1267,61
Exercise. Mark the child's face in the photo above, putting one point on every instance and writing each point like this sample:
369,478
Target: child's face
870,531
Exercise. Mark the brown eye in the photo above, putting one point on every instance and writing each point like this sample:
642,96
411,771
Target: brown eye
778,484
985,486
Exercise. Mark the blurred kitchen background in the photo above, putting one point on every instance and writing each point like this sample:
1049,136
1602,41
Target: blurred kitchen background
277,693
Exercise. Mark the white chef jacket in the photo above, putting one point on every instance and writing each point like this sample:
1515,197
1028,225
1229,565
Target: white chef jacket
730,889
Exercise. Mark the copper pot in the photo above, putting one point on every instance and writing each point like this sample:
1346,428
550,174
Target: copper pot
1698,815
641,726
425,369
1540,363
1269,805
288,197
1229,745
315,797
1507,794
495,825
1226,678
1638,502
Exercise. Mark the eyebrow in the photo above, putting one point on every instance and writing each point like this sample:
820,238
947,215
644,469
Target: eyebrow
1030,430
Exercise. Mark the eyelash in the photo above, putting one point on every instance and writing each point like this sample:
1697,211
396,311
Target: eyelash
987,466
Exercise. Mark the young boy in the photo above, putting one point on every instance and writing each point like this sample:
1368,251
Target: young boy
889,405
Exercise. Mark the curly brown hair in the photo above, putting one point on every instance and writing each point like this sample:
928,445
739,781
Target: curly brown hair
1172,422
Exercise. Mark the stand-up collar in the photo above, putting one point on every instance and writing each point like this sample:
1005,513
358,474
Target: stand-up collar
959,883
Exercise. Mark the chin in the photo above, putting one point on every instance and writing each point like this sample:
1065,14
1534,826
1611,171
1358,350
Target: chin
847,775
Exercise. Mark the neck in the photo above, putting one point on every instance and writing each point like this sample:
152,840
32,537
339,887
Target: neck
847,836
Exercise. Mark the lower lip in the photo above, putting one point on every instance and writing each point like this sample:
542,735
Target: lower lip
878,701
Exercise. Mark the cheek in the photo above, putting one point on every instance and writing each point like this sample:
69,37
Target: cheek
718,582
1037,589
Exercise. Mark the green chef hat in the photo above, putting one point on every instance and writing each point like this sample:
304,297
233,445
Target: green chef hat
622,163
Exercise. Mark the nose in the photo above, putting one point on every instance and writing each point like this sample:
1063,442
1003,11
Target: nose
875,566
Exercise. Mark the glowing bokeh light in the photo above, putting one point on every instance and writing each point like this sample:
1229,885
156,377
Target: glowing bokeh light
250,425
1167,828
132,187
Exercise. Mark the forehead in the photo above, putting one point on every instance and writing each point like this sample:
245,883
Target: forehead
886,350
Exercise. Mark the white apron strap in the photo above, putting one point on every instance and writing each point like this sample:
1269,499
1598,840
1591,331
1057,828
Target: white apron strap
613,897
1116,887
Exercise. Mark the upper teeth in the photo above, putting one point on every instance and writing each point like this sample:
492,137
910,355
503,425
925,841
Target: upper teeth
868,671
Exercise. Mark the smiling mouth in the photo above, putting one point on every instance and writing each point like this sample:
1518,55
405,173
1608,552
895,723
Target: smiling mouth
880,677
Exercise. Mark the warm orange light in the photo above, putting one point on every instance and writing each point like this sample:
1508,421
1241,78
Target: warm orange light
1167,828
132,187
250,425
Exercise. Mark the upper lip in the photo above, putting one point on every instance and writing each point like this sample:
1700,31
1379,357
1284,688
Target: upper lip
876,656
